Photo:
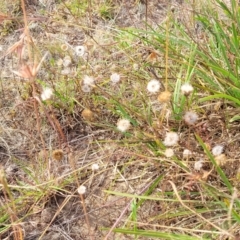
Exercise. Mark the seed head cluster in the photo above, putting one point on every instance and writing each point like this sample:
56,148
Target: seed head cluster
88,83
169,152
164,97
46,94
217,150
171,139
115,78
79,51
186,89
153,86
186,153
95,167
198,165
82,190
123,125
190,118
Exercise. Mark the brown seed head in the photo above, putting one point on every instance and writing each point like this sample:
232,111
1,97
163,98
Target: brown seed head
57,154
88,115
164,97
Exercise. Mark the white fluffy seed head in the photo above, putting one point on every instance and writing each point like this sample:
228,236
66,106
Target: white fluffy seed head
198,165
66,71
87,80
79,50
153,86
86,88
46,94
186,153
190,118
67,61
123,125
115,78
59,62
95,167
82,189
171,139
169,152
187,89
135,66
217,150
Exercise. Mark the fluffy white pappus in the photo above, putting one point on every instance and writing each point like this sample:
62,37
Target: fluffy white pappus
87,80
79,50
186,89
217,150
123,125
95,167
82,190
67,61
59,62
186,153
169,152
66,71
190,118
135,66
46,94
86,88
171,139
153,86
198,165
115,78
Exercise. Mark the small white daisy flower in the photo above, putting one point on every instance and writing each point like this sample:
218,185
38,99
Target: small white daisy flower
67,61
81,190
86,88
186,89
153,86
171,139
186,153
123,125
95,167
88,80
169,152
198,165
79,50
217,150
46,94
115,78
190,118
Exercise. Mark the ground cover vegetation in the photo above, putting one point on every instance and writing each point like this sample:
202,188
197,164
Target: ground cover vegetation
119,119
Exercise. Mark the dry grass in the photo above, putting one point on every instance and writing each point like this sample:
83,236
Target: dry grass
52,142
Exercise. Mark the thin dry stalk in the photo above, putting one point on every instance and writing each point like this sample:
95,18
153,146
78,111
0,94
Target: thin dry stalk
31,72
86,215
124,211
195,213
11,207
32,78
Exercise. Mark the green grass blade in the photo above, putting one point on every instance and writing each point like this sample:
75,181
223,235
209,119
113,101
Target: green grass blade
161,235
218,169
